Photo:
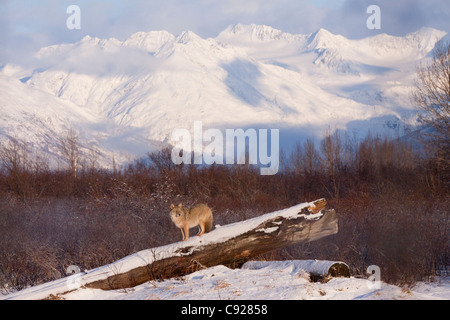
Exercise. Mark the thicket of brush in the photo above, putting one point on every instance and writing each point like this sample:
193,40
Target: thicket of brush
392,202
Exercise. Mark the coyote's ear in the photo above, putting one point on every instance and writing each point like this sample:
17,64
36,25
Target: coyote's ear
172,206
179,206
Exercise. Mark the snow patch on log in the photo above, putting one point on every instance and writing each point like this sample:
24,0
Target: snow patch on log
267,230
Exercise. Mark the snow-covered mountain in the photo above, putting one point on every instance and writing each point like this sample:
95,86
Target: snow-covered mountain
126,97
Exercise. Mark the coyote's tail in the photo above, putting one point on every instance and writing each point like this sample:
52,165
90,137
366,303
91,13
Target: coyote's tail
209,225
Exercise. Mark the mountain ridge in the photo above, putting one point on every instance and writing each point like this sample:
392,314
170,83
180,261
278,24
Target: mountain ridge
247,76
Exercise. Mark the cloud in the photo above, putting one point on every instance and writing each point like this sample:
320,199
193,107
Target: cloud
97,58
398,17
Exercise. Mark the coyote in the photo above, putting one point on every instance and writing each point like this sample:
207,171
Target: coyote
186,218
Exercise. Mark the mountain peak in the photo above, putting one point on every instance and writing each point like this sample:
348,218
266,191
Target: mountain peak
428,31
324,39
254,32
426,37
150,41
86,38
321,32
187,36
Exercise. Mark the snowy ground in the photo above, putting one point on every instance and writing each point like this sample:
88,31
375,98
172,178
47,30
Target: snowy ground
277,281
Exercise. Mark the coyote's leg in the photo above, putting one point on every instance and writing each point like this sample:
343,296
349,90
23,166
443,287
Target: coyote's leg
182,233
186,232
201,228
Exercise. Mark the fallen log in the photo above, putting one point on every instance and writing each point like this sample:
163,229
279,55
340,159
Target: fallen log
230,245
317,269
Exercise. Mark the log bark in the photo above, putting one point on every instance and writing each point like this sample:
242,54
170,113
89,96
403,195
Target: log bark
230,245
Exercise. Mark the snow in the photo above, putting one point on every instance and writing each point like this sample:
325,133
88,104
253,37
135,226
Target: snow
149,41
315,267
276,281
248,76
41,119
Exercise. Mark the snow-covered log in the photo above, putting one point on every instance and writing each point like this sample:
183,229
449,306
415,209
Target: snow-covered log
230,245
317,269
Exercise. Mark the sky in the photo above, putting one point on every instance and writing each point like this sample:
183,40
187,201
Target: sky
27,25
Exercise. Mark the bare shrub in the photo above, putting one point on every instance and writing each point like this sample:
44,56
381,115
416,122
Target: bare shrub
432,96
390,211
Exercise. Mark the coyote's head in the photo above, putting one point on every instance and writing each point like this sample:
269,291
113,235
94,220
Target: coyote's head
177,213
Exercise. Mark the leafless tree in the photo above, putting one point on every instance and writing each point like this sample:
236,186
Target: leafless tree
69,148
13,155
331,147
432,95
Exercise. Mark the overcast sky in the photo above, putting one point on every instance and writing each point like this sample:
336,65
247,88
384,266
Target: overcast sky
27,25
